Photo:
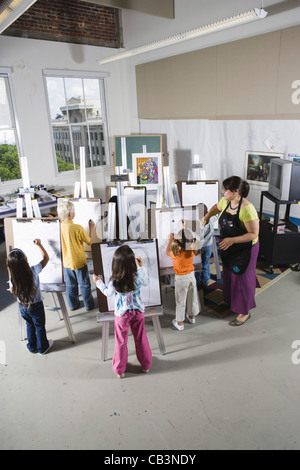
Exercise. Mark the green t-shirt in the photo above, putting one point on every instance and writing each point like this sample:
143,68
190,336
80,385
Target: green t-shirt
246,214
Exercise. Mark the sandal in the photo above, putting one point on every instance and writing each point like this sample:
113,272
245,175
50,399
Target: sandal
236,322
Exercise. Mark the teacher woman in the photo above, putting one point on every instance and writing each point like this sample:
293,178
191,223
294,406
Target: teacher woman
239,246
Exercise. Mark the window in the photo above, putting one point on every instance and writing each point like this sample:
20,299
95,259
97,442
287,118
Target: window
78,114
9,153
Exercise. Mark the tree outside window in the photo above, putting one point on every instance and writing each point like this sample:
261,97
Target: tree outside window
9,155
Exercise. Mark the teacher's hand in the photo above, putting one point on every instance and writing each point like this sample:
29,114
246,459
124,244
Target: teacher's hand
225,243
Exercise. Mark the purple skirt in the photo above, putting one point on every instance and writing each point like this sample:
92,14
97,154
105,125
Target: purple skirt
239,290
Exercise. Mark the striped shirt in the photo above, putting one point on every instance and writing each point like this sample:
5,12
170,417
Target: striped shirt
130,300
209,231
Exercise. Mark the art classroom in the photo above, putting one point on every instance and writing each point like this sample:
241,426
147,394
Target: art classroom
95,96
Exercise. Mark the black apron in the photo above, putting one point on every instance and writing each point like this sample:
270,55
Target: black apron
237,257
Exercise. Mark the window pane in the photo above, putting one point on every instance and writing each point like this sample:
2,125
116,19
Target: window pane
63,148
78,118
9,159
75,99
80,139
97,145
57,100
92,99
5,117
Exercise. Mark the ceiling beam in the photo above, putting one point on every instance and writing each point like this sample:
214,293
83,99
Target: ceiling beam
161,8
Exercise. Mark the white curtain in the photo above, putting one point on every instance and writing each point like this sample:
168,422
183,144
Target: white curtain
222,146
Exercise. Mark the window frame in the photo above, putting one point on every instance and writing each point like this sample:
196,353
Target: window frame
6,73
58,73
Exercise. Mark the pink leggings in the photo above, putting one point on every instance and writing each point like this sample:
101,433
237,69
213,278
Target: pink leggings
136,320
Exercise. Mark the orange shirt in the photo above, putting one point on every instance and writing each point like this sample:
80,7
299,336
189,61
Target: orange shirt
183,262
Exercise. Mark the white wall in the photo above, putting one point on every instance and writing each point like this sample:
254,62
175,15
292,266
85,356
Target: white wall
222,147
28,58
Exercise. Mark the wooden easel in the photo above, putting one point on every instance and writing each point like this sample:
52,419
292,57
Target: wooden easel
53,289
31,204
83,186
106,318
197,173
59,306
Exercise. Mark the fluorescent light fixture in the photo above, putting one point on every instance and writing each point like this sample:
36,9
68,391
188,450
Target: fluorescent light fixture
10,11
251,15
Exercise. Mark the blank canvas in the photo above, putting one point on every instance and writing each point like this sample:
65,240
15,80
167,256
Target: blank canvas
24,232
201,192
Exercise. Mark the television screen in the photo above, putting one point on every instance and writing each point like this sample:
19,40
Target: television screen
284,182
275,176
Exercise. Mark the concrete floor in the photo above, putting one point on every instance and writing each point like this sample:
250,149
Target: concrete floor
218,387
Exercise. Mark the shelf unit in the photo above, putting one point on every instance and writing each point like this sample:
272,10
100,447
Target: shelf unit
278,246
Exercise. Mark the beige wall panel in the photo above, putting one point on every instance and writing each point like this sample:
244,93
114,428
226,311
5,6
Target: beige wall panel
289,71
247,79
247,72
183,86
153,89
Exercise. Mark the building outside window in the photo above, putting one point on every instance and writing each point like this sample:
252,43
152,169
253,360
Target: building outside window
78,114
9,138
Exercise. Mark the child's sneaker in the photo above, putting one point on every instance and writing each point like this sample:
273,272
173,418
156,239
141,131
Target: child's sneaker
50,341
121,376
179,327
191,319
145,371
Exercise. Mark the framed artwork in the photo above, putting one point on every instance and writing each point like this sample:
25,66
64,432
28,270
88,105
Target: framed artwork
294,157
147,169
258,167
126,145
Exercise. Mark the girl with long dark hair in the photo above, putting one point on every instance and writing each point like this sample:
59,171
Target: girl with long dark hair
128,277
25,286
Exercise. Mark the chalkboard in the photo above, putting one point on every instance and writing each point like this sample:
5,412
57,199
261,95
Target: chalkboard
102,259
20,233
134,144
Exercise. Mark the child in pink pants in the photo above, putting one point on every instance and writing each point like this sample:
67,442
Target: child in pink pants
128,276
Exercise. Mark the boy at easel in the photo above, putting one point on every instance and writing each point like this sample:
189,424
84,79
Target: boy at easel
76,274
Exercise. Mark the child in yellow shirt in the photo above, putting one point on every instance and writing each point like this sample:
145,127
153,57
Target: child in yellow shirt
73,236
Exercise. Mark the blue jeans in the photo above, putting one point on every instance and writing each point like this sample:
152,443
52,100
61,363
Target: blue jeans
36,332
203,276
73,279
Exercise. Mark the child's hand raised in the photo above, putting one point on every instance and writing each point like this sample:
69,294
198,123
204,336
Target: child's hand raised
96,278
139,261
37,242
